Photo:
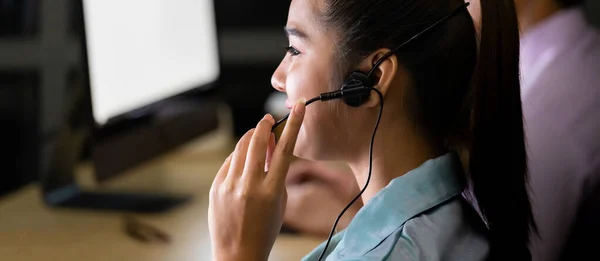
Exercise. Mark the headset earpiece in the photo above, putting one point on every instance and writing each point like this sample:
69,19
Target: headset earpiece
354,81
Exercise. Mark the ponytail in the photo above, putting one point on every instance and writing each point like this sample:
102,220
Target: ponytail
497,159
464,102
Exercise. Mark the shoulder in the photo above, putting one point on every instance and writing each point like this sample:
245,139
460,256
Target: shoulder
451,231
560,108
420,215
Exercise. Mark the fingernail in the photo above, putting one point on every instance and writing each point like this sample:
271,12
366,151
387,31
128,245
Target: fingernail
269,117
300,106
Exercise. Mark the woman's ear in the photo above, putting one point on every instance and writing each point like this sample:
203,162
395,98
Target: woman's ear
382,76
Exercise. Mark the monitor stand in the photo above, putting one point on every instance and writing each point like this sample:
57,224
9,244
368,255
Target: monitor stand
59,187
74,197
128,147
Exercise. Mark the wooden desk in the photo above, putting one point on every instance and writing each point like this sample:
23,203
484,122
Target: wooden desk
31,231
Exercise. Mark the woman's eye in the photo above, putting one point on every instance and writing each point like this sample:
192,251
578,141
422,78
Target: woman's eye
293,51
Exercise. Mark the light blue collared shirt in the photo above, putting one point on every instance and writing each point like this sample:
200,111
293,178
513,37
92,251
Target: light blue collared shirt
418,216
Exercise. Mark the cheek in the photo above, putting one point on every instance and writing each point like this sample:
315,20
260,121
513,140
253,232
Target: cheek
322,131
309,84
307,80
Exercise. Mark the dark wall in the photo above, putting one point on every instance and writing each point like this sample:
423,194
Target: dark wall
251,14
19,98
593,7
19,149
251,41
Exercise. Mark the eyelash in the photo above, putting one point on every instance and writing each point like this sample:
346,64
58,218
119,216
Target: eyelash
292,50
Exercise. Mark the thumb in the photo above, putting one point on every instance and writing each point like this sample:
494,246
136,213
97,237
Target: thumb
284,150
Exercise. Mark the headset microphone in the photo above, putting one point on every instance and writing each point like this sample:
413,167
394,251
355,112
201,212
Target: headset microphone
351,95
355,91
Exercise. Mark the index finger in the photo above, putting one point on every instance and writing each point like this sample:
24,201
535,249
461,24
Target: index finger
284,150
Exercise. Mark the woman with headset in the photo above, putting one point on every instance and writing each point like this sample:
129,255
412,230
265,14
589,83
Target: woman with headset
444,175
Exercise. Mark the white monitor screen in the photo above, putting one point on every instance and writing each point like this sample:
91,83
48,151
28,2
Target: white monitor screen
142,51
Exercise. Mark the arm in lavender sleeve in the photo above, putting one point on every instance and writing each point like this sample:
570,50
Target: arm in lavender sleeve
555,170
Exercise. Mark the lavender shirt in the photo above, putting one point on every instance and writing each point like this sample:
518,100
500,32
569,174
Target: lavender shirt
560,63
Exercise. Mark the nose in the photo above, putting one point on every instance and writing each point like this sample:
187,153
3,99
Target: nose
278,78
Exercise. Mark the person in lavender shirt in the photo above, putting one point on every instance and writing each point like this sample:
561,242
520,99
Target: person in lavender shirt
560,66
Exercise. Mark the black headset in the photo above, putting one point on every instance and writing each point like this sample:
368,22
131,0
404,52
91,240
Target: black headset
357,80
356,91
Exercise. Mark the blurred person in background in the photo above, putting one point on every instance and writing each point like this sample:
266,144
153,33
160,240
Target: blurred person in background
560,65
317,193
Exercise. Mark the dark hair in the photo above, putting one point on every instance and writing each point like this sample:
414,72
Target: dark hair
569,3
462,100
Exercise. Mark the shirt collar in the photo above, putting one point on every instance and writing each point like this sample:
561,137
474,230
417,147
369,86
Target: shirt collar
434,182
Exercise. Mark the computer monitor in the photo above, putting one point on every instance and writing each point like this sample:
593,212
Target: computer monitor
142,59
141,52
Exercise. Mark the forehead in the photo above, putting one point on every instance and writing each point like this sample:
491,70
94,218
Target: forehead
304,14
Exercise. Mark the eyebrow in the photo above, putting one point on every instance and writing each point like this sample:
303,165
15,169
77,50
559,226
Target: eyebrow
292,31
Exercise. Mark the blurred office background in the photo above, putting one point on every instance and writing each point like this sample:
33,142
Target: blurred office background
40,62
41,66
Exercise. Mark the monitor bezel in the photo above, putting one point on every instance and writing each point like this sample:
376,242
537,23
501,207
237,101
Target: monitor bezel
141,115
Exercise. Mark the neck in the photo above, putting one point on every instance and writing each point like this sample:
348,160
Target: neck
397,149
533,12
